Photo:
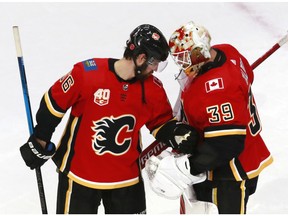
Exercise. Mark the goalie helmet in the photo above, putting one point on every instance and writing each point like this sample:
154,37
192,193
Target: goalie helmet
149,39
190,47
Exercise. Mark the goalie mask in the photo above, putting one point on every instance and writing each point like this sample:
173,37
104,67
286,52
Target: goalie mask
190,48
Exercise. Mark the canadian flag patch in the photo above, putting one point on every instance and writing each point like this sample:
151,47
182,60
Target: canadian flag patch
214,84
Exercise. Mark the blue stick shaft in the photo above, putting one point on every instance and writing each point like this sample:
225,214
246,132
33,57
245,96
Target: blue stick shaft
26,94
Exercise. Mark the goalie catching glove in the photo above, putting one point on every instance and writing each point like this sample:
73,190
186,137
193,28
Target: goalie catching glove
33,153
169,174
179,136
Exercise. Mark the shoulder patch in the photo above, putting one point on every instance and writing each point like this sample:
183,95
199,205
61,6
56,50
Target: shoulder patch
89,65
214,84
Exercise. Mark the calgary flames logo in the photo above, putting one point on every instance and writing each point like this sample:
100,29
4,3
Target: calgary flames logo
113,135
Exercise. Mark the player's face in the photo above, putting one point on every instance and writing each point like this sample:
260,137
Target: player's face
148,71
156,65
152,65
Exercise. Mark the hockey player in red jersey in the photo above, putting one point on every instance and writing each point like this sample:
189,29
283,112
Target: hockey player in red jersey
110,101
217,100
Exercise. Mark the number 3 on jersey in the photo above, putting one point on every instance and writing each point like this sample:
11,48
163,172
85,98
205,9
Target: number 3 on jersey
218,113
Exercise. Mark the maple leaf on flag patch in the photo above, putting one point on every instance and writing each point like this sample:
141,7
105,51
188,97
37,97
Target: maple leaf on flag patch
214,84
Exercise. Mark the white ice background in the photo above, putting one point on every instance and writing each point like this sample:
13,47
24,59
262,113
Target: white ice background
56,35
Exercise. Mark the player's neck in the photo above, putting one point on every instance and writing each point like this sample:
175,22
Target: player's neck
124,69
213,54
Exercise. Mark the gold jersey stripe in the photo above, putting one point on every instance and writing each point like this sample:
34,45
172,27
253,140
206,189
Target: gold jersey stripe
243,189
233,167
101,185
65,158
214,196
51,108
226,132
68,196
263,164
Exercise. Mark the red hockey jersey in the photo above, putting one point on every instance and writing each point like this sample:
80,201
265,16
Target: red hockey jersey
220,104
101,143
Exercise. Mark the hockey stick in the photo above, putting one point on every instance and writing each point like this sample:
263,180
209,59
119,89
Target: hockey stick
157,147
28,111
275,47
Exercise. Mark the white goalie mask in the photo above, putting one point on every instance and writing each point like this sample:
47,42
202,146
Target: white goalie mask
190,48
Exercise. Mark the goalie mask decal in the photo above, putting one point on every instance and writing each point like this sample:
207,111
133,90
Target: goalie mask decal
113,135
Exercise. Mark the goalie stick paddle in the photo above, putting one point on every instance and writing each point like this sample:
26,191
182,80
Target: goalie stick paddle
28,111
157,147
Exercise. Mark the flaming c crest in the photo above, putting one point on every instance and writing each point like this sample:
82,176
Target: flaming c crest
113,134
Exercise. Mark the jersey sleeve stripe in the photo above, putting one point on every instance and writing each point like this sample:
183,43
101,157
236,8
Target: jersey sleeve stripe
52,110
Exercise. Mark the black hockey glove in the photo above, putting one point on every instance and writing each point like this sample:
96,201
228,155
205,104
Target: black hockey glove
186,138
33,153
179,136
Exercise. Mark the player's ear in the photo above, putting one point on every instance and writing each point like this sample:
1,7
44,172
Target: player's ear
141,58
